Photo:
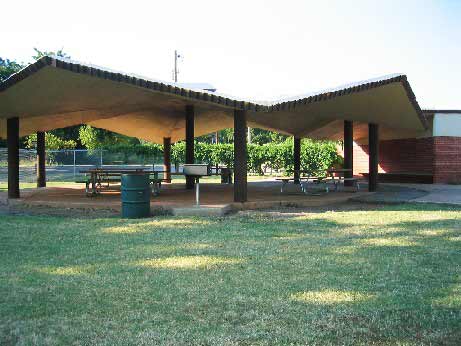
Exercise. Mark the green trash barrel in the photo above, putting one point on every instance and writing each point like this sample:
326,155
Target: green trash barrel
135,195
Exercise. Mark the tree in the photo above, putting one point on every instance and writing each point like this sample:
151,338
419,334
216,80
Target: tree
52,142
94,138
41,53
90,137
8,67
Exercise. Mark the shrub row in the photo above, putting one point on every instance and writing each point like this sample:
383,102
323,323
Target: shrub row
315,155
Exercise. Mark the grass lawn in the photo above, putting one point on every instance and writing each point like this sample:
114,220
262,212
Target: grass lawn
4,185
389,276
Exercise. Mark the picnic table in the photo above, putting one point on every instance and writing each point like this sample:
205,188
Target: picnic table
99,176
338,176
305,177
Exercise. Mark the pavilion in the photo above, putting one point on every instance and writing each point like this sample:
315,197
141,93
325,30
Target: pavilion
54,93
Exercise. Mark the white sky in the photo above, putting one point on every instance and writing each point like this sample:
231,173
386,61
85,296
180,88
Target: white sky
254,49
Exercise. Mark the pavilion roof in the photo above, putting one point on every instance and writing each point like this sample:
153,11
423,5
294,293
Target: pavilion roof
55,92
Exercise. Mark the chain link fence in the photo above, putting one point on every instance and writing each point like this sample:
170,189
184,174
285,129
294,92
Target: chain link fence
65,165
27,166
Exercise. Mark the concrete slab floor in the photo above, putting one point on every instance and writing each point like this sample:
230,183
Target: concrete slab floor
215,199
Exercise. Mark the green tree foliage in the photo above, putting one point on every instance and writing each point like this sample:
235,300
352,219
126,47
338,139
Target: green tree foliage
260,136
8,67
52,142
95,138
41,53
90,137
316,156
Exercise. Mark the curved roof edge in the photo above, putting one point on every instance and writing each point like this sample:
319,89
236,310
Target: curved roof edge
200,95
443,111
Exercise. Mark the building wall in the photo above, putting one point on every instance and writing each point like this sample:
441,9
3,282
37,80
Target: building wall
447,125
413,155
438,155
447,159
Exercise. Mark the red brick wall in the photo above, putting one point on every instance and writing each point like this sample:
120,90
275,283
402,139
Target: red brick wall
412,155
447,160
440,156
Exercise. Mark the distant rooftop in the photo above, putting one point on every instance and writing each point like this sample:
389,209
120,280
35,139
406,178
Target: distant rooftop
197,86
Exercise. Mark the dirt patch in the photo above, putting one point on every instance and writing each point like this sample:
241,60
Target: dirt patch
289,211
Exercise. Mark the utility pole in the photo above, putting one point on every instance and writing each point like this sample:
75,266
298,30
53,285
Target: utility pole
175,72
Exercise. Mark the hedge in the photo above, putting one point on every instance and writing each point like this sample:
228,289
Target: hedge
315,155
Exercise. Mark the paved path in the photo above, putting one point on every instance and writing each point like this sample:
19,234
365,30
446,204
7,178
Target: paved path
438,193
416,193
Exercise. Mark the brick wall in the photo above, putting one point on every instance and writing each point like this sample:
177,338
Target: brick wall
439,156
447,159
412,155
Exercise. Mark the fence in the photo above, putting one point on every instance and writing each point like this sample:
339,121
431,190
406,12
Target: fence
27,167
65,165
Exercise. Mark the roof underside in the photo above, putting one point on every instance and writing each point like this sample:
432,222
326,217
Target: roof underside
54,93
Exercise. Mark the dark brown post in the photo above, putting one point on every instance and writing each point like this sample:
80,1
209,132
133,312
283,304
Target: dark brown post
373,150
348,150
167,159
12,133
240,156
296,158
190,142
41,172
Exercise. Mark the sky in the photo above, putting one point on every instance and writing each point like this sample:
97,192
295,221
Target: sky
261,50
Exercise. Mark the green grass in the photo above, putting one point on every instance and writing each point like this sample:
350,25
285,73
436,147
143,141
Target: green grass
4,186
390,276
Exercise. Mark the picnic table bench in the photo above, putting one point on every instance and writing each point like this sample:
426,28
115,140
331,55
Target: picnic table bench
334,176
304,181
338,178
95,178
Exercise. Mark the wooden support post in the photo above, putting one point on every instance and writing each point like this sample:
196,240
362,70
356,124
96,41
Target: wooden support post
240,156
348,151
167,159
41,172
12,133
190,143
373,157
296,158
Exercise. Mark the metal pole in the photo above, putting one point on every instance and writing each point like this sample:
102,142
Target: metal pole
175,66
100,160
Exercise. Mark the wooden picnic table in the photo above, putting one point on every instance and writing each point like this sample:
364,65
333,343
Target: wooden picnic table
337,176
333,175
305,177
97,176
